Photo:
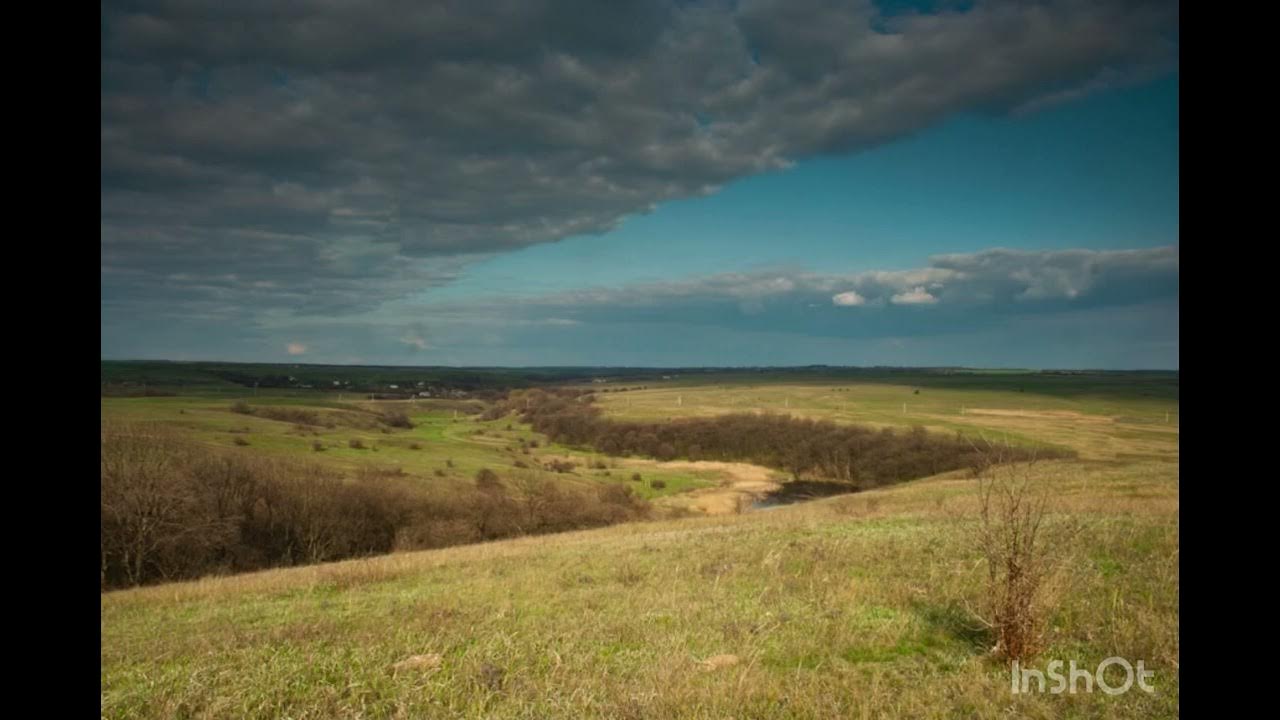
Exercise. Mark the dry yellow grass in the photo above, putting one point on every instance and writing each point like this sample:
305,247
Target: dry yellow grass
852,606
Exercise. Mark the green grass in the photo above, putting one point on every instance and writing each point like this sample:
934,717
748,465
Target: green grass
443,436
853,606
1090,420
832,610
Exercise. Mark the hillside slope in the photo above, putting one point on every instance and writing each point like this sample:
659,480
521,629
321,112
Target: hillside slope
849,607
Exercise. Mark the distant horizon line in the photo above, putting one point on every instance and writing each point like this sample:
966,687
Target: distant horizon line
653,367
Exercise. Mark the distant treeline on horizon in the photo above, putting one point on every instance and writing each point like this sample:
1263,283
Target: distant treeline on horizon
168,377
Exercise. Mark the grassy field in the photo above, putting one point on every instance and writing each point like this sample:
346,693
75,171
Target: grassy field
1096,419
854,606
451,445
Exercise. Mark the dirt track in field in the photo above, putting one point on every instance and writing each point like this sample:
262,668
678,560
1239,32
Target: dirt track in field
741,483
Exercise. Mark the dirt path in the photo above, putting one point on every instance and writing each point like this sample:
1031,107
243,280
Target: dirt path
741,483
1066,415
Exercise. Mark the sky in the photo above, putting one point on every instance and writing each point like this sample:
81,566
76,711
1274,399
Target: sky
649,183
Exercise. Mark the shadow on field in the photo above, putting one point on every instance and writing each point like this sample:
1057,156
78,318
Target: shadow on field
954,622
794,491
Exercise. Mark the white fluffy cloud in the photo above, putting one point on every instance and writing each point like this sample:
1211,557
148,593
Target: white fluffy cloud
415,341
997,276
848,299
915,296
993,307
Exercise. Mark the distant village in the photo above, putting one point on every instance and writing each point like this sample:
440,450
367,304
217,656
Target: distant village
418,389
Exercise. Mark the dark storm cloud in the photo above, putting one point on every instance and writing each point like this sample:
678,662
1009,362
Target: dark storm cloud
324,157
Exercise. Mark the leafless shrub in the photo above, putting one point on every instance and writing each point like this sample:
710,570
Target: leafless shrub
1023,551
397,419
487,479
295,415
561,466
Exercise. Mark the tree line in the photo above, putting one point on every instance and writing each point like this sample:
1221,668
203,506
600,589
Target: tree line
861,456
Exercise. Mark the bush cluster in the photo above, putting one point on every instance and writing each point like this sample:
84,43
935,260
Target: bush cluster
819,449
173,509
